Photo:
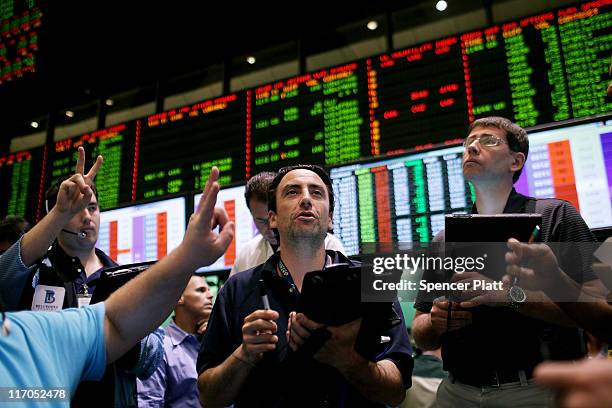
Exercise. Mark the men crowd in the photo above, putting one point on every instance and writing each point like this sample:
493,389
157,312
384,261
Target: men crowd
259,348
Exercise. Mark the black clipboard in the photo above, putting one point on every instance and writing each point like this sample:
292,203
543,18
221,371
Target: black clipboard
490,228
469,235
115,277
332,296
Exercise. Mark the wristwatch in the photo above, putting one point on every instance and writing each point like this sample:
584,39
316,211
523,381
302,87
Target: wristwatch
516,297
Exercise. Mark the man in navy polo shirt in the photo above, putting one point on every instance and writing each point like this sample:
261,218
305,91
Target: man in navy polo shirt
242,361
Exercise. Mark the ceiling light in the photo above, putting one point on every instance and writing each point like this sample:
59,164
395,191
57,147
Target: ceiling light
34,124
372,25
109,102
251,60
70,114
441,5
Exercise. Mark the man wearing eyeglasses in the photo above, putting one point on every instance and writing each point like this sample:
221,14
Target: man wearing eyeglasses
259,249
491,353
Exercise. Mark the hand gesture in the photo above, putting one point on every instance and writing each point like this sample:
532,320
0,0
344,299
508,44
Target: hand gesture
202,245
80,167
75,193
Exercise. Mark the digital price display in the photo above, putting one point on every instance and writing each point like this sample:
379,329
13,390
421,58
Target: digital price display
314,118
20,184
176,149
20,25
115,177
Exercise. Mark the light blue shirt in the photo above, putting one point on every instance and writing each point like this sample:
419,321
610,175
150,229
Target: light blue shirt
53,349
175,382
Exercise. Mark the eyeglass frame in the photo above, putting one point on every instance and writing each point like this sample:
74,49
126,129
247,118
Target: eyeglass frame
262,221
499,140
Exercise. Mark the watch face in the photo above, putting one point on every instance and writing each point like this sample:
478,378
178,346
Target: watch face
517,294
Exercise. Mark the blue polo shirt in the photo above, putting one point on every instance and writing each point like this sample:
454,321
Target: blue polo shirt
279,380
52,349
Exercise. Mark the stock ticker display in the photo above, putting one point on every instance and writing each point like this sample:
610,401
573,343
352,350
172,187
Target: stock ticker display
535,70
20,25
401,199
177,149
20,180
405,199
314,118
116,144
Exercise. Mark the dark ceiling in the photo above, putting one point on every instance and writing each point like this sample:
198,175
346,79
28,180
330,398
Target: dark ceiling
91,49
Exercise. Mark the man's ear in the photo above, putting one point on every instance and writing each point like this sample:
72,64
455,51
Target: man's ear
272,219
330,221
518,162
181,300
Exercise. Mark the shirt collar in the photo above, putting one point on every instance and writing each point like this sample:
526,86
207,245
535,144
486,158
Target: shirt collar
177,335
268,269
515,204
106,260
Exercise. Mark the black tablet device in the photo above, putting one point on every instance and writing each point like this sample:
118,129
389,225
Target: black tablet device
490,228
114,278
332,296
475,235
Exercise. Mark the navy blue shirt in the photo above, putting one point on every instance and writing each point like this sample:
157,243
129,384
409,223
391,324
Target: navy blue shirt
82,279
278,379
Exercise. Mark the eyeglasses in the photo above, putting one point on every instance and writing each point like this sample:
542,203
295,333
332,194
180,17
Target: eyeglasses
261,221
485,140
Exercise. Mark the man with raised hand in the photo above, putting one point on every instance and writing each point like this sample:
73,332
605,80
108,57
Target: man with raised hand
84,340
20,261
245,348
65,267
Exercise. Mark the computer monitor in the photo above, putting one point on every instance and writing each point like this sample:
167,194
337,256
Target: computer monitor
142,232
573,163
404,198
232,199
398,199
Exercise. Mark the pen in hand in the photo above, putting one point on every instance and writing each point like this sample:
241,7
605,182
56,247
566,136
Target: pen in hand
535,234
264,295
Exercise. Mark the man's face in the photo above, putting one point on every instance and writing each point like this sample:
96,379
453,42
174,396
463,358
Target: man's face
302,207
196,298
87,221
497,163
259,211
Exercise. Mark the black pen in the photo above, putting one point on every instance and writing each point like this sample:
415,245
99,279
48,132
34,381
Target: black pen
264,295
